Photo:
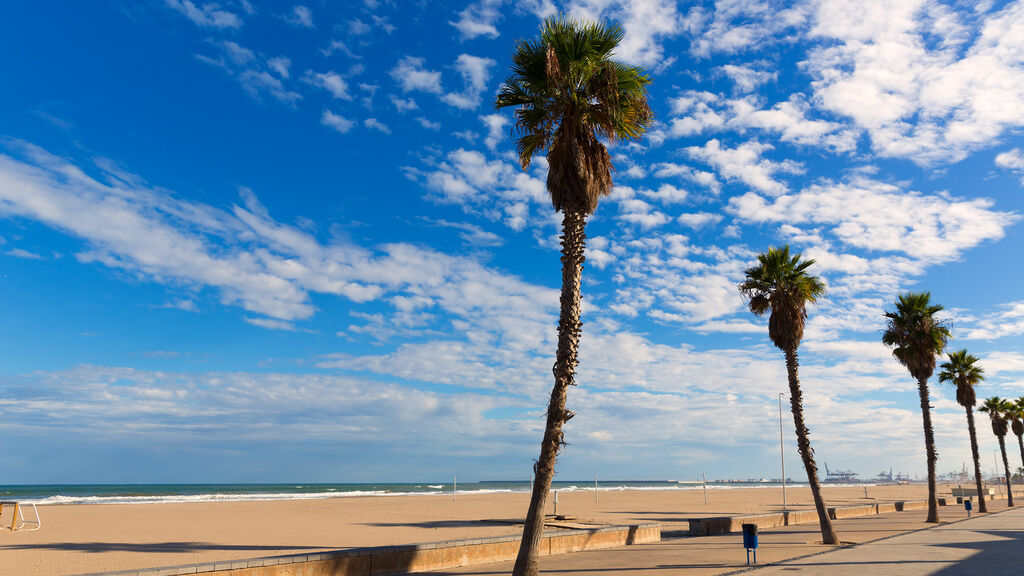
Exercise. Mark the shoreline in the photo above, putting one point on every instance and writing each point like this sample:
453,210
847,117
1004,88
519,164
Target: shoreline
170,497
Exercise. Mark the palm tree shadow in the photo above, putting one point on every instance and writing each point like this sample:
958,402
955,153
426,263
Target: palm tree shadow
434,524
992,556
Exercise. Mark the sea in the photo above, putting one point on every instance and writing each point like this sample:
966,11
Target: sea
42,494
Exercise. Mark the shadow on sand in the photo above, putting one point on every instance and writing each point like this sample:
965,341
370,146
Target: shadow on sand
154,547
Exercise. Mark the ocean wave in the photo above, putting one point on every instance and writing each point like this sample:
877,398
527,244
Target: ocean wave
432,490
238,497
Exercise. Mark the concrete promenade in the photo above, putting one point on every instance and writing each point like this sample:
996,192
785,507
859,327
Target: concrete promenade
896,543
989,544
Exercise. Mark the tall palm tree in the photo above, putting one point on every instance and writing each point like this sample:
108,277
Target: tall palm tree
996,409
569,95
916,337
1017,422
963,371
781,286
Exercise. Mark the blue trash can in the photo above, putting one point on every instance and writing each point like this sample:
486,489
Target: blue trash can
750,540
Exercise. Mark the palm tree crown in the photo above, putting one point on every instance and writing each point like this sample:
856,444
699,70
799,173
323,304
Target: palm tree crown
570,94
1015,412
996,408
963,372
781,285
915,334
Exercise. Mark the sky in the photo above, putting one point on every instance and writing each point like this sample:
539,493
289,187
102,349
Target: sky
275,242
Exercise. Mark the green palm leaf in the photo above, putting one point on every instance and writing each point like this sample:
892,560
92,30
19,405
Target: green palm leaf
780,284
569,95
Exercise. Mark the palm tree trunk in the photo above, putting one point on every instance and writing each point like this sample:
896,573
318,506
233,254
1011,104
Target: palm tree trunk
929,447
803,442
1020,440
569,328
977,460
1006,471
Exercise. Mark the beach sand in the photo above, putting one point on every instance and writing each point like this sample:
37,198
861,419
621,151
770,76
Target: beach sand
81,539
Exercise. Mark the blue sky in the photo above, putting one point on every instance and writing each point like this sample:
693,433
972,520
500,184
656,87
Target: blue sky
248,241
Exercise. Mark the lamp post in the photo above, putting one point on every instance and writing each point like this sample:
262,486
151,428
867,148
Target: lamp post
782,456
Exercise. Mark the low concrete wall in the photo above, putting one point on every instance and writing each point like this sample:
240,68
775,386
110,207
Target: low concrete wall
385,560
852,511
801,517
727,524
885,508
912,505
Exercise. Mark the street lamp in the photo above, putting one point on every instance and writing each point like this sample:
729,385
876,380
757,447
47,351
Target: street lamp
782,455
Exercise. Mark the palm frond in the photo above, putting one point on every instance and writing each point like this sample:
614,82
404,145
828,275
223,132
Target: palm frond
963,372
781,285
915,334
570,94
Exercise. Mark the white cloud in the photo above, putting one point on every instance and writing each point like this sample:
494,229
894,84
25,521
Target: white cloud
646,24
280,66
907,74
24,254
209,15
696,112
428,124
339,123
699,220
479,19
733,26
330,81
475,72
1012,160
1007,320
271,324
874,215
337,46
253,72
473,235
410,74
250,260
496,124
126,405
636,211
494,189
746,164
185,304
689,173
404,105
748,78
300,16
996,363
374,124
666,194
357,27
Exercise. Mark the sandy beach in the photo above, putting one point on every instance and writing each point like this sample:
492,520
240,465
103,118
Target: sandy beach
80,539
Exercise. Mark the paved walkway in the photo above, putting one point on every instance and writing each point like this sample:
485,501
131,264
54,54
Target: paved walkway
990,544
923,551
